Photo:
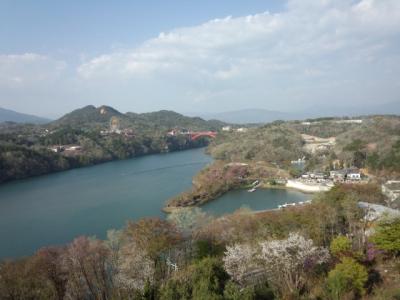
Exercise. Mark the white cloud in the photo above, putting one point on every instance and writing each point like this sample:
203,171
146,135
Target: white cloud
305,53
326,38
27,69
217,48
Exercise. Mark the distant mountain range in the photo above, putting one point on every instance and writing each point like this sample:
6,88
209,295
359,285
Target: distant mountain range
265,116
91,116
248,116
7,115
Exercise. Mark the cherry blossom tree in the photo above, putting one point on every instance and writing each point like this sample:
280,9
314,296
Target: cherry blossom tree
187,219
287,262
240,262
284,263
129,266
134,269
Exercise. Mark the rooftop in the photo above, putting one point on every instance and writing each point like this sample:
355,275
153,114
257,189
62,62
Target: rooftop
393,185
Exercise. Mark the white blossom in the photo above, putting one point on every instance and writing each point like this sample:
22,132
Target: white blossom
134,268
287,261
284,263
239,261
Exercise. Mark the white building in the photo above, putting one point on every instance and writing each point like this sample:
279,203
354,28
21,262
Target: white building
391,189
73,148
345,174
354,175
226,128
313,175
352,121
375,212
337,175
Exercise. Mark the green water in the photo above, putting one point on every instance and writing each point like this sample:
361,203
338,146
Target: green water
55,208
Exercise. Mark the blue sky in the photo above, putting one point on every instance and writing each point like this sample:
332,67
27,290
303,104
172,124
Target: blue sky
73,27
205,56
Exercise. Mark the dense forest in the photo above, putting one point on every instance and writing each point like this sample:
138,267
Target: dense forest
24,149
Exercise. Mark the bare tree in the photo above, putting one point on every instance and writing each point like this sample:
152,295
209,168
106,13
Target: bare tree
49,262
86,261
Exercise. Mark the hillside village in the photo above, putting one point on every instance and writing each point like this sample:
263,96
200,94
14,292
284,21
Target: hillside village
310,156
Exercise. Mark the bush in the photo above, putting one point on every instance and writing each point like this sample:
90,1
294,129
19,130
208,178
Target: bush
203,280
234,292
347,277
340,246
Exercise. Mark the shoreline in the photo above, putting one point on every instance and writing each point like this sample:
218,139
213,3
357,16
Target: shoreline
100,162
171,209
284,187
309,188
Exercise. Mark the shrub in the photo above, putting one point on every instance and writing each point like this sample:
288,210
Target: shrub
347,277
340,246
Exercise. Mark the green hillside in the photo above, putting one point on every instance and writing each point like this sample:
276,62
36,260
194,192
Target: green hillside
275,142
92,117
28,150
374,143
88,116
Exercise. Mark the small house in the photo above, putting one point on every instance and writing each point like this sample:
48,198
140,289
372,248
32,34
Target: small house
345,174
313,175
353,174
318,175
337,175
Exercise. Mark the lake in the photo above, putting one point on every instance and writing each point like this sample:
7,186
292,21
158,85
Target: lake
55,208
261,199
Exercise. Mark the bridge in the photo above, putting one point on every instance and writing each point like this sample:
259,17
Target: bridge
193,135
196,135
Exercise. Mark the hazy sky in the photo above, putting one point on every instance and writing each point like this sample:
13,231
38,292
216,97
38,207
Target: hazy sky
198,55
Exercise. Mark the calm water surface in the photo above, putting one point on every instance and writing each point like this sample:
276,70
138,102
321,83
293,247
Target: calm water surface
261,199
55,208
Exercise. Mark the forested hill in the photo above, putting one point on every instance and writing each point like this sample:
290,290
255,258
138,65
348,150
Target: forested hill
170,119
90,117
371,142
96,135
